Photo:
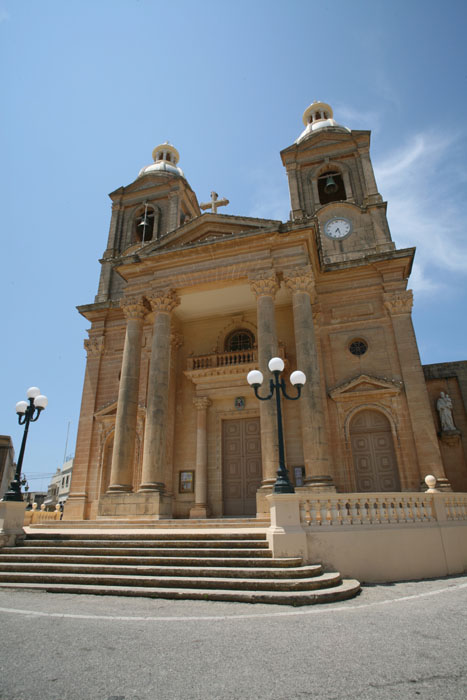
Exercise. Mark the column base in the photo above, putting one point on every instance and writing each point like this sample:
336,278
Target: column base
75,507
318,484
152,486
154,505
199,511
120,488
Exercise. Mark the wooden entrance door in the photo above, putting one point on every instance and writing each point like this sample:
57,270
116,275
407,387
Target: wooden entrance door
241,465
373,453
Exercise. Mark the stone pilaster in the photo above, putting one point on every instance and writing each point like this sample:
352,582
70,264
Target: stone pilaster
312,401
297,212
200,509
121,475
399,306
162,303
76,505
265,286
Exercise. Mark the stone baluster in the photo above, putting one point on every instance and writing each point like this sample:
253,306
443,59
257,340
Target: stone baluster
121,474
162,303
312,401
200,509
265,286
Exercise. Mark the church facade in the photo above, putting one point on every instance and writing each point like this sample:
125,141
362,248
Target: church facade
189,302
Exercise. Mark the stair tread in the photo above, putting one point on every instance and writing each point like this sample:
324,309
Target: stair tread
249,572
347,588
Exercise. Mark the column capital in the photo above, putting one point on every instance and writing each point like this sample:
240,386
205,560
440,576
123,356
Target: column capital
398,303
300,279
94,346
133,308
264,284
202,402
163,300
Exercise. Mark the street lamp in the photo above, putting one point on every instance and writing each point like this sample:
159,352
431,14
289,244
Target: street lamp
27,413
276,386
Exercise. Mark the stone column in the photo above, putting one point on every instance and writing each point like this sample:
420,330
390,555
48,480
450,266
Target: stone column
312,401
399,306
121,475
162,303
200,509
265,286
176,342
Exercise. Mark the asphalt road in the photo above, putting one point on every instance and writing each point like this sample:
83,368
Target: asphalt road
406,640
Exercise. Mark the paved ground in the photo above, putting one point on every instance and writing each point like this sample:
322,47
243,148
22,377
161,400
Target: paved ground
406,640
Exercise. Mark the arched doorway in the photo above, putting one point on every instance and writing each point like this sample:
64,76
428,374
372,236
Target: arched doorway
373,453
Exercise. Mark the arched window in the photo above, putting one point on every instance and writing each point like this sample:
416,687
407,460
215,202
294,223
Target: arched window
331,187
241,339
146,225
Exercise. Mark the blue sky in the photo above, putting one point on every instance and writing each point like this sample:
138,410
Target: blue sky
89,87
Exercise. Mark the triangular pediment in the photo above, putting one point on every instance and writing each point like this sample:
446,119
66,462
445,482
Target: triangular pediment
106,411
363,385
207,228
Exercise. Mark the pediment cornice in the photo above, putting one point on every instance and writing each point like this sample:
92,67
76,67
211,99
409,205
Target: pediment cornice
365,385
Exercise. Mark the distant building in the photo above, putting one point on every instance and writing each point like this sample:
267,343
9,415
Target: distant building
7,463
59,487
31,497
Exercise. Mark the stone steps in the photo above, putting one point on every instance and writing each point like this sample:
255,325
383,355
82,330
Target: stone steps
346,589
104,523
233,566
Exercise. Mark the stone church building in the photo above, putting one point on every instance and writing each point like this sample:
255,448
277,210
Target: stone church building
189,302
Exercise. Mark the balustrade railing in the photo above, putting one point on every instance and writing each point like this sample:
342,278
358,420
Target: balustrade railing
227,359
379,509
41,515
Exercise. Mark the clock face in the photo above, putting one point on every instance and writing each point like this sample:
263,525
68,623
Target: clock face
338,227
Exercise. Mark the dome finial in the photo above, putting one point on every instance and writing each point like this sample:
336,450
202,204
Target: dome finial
165,158
319,115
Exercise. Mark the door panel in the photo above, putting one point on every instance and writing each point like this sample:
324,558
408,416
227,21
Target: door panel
373,453
242,470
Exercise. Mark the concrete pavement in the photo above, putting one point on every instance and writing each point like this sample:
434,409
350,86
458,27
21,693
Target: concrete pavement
405,640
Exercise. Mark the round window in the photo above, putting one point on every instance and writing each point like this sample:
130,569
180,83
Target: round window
358,347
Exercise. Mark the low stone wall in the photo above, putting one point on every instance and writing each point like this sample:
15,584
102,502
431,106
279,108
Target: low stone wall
374,537
41,515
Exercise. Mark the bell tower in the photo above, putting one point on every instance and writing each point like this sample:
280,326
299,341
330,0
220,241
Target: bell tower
331,180
159,201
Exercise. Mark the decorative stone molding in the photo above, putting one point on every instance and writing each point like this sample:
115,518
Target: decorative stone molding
365,385
202,402
398,303
300,279
163,300
264,284
94,346
176,340
133,308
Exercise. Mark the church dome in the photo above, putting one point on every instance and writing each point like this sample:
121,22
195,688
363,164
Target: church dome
319,115
165,159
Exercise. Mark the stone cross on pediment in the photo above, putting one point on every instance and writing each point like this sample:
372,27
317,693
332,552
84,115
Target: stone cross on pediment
214,203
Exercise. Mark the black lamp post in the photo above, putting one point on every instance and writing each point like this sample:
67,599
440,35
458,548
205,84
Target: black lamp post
27,413
276,386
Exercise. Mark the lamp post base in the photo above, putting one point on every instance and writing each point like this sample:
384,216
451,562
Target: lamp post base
14,492
11,522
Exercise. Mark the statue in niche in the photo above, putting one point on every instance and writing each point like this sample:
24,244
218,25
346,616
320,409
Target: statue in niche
444,407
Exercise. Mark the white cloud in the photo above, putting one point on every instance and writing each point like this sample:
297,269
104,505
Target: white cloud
426,207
